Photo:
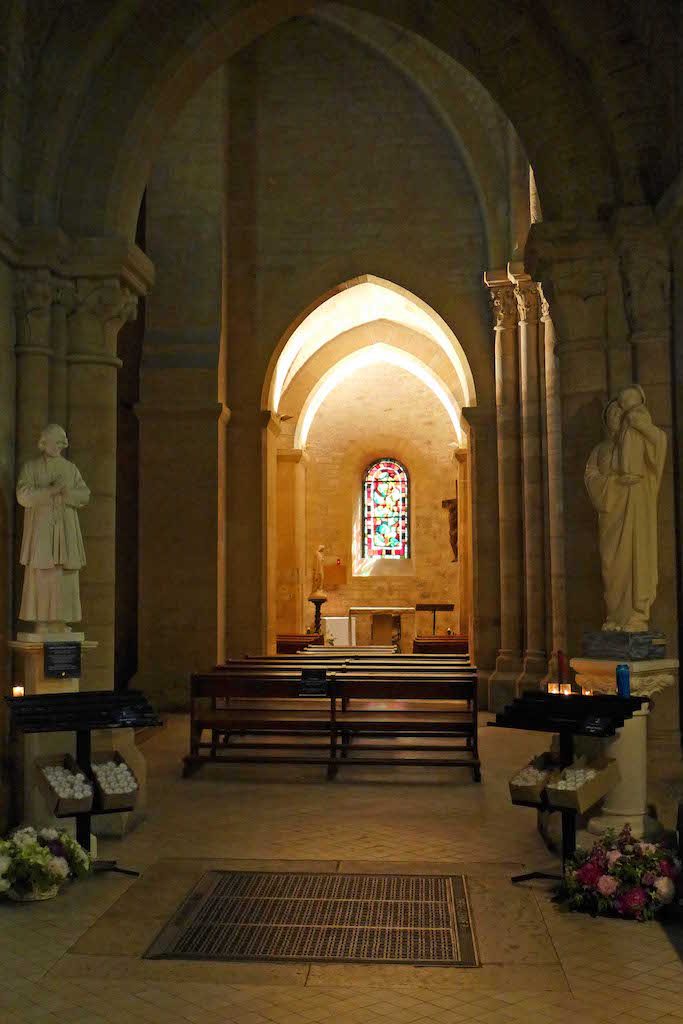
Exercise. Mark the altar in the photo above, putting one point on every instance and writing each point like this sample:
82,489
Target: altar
382,620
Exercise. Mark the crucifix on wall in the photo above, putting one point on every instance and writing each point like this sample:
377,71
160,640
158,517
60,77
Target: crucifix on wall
451,504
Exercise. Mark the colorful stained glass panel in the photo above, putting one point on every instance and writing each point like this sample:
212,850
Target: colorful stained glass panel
385,510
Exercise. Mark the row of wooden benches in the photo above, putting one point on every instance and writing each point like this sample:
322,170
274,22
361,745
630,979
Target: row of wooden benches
354,711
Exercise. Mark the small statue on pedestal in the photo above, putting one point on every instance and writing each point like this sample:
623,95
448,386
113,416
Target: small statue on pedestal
318,596
51,489
318,583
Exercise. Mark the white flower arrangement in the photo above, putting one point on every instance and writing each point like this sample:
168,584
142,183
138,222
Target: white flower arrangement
38,861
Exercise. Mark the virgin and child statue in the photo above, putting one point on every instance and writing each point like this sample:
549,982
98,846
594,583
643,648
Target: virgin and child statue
51,489
623,476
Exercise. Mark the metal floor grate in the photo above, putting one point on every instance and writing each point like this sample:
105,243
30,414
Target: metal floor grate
268,916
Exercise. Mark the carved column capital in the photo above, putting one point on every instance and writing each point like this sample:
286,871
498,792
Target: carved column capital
99,310
34,291
34,295
504,305
528,302
545,305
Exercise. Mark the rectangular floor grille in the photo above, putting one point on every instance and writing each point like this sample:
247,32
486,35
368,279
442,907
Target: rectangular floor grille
267,916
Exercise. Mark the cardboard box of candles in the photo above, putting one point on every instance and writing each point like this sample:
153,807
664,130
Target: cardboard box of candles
582,784
115,783
65,788
528,784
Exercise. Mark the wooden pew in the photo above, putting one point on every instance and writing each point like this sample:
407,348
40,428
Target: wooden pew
263,700
425,705
443,644
268,706
291,643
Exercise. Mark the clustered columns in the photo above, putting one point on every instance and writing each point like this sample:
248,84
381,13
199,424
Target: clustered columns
509,661
99,310
535,663
67,325
522,482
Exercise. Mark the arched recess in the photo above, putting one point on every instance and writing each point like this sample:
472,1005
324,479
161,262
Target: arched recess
354,303
115,132
346,333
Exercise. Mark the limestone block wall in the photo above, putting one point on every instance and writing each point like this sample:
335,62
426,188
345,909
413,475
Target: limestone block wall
383,411
179,411
337,167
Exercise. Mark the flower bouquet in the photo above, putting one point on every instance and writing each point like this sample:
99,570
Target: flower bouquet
622,876
34,864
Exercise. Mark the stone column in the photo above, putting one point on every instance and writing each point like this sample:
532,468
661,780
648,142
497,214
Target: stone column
464,603
291,539
64,297
508,663
484,533
528,305
100,307
572,262
35,293
251,466
555,519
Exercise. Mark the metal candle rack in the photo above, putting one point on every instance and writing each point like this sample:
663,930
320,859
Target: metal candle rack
568,715
81,713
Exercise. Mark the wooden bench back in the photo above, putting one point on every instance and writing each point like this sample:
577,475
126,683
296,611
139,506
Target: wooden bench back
409,687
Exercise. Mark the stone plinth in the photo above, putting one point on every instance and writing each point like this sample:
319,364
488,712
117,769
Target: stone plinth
29,657
657,743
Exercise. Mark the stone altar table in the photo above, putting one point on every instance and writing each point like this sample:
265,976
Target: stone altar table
378,610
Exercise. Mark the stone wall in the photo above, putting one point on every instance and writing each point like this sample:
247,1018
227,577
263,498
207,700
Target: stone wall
337,167
383,411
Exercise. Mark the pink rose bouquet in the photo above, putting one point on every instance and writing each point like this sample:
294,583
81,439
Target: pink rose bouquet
622,876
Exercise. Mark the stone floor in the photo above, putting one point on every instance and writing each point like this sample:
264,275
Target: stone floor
76,960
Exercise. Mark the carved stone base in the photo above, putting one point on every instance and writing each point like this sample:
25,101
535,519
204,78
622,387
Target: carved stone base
616,645
503,681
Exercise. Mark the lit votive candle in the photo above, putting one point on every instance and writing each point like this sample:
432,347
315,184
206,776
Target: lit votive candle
565,689
553,687
588,693
17,691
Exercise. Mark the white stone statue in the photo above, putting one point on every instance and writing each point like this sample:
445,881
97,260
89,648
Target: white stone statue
317,587
623,476
51,489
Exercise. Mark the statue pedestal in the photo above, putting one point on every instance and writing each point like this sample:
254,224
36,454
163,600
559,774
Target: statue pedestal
29,672
317,600
647,749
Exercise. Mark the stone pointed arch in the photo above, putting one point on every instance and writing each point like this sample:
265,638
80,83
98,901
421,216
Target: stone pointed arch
115,131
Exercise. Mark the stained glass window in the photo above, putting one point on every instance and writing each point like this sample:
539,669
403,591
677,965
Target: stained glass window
385,510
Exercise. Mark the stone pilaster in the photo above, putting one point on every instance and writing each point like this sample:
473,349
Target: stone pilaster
535,661
292,550
572,262
556,576
100,307
508,662
34,297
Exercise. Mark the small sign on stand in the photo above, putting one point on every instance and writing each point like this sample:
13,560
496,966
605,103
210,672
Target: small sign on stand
62,660
313,683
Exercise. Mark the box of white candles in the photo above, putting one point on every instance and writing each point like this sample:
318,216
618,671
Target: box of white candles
527,785
582,784
65,788
115,782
